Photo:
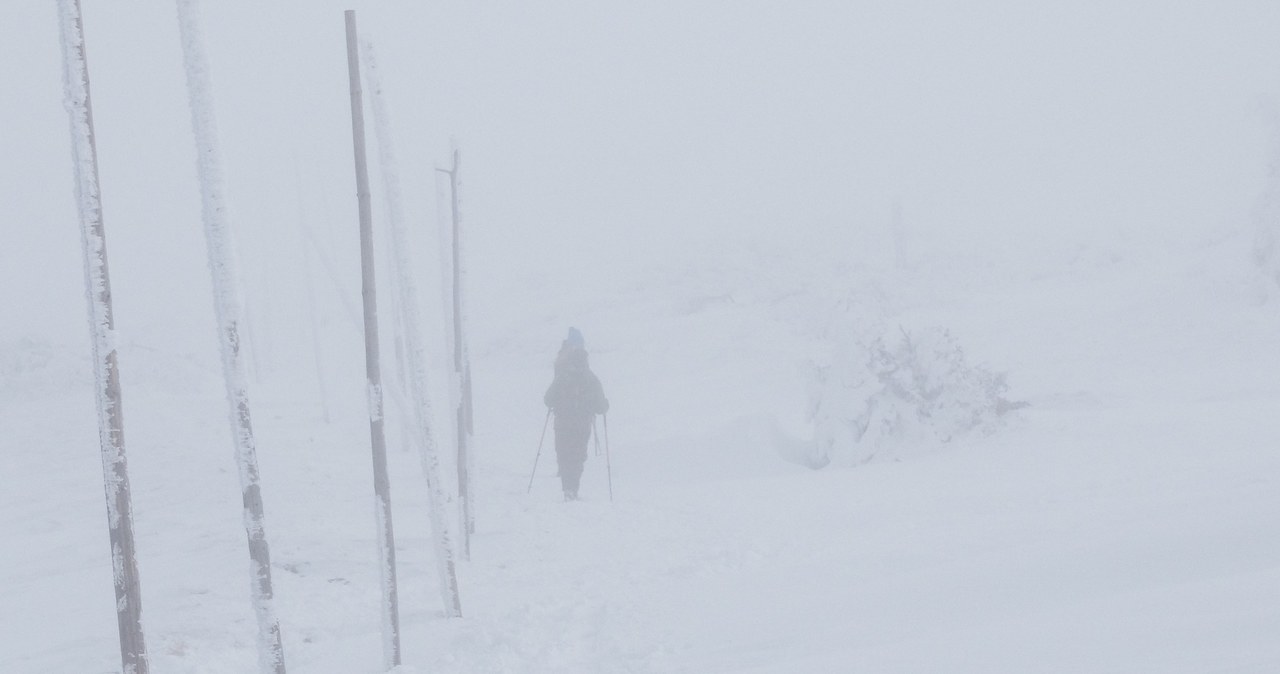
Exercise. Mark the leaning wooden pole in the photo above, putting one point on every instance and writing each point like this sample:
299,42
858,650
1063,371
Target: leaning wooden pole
395,246
84,153
373,373
415,347
228,310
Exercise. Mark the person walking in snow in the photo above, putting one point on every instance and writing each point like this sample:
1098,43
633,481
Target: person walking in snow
575,397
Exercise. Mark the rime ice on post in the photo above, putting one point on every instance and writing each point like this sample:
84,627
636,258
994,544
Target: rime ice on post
466,413
372,362
84,154
227,307
415,347
461,360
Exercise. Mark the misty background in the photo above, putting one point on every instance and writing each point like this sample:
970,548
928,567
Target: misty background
602,136
790,232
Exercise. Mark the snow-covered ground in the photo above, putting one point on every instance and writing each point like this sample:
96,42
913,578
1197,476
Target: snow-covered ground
736,203
1124,521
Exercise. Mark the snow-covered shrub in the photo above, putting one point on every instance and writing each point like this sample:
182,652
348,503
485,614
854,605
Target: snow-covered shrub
1266,218
880,395
1266,248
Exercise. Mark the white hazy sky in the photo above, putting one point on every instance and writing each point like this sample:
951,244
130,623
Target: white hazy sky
597,133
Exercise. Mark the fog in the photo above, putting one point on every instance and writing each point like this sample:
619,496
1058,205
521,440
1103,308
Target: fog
599,136
929,330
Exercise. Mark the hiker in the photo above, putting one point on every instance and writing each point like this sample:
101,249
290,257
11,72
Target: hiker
576,397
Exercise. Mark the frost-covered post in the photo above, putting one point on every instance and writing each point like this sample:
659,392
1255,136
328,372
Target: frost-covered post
461,364
226,302
381,483
84,156
407,296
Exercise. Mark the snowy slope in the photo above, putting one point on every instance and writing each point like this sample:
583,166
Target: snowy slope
1124,521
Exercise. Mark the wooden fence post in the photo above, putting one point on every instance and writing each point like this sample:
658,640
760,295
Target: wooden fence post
229,314
133,648
373,373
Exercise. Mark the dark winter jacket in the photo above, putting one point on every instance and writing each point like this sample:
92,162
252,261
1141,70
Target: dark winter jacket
576,395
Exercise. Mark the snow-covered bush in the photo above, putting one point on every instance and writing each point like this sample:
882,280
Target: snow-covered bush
877,396
1266,218
1266,248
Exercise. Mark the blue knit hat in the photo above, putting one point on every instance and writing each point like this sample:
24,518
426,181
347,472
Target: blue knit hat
575,339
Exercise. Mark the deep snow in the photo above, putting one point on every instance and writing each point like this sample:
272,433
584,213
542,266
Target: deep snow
1124,521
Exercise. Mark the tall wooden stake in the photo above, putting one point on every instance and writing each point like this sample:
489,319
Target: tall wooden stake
406,294
381,483
84,152
461,366
229,313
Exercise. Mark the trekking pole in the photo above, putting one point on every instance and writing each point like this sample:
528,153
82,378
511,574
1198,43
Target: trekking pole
595,433
539,454
607,465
